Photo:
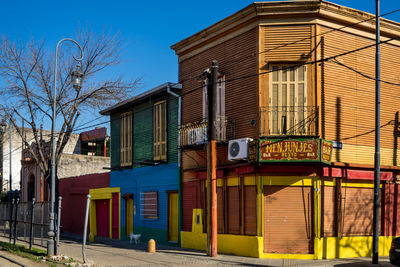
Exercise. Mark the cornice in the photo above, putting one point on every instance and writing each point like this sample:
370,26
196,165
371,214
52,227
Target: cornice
262,11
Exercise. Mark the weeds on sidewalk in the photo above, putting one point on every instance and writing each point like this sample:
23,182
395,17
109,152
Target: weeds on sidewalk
33,254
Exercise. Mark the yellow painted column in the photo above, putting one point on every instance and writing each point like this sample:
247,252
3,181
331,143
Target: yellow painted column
318,249
260,213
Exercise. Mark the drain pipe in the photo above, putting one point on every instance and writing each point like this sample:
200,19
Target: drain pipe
179,161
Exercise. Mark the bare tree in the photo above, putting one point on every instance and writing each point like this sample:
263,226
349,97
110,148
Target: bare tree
27,77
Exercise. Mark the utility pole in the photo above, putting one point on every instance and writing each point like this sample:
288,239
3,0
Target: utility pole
375,240
212,77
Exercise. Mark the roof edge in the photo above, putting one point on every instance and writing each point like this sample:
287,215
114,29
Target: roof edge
153,91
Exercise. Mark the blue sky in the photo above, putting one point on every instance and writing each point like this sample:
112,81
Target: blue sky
148,28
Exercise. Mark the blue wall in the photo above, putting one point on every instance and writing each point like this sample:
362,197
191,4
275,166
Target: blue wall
161,178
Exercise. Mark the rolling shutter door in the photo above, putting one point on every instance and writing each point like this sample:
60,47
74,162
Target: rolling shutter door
233,210
190,191
329,211
220,210
288,220
250,211
357,210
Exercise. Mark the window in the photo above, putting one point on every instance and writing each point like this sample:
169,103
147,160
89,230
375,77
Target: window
126,139
160,131
287,99
149,205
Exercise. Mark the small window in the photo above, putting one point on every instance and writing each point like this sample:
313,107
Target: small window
126,139
149,205
160,131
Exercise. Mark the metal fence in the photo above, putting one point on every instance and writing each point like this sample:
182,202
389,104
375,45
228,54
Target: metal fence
16,220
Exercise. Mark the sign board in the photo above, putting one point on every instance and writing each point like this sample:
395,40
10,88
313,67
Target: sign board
295,150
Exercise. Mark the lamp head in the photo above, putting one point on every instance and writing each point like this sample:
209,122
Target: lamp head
76,77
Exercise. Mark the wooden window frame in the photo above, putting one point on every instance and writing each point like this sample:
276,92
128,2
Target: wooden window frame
160,131
277,78
126,139
144,205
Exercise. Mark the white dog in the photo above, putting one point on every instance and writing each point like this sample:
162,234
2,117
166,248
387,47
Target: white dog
135,237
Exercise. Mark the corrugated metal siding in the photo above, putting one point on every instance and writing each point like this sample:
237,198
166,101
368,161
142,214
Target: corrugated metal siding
286,43
143,133
115,140
348,96
241,96
233,210
288,220
172,129
357,210
250,210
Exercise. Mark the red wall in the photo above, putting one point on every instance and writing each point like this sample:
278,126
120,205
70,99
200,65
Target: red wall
73,191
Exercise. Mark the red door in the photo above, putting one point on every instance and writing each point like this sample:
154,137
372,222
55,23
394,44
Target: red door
103,217
115,215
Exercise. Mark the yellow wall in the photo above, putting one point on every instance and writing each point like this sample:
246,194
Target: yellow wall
350,247
249,245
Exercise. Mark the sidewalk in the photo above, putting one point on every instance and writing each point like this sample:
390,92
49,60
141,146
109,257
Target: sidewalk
118,253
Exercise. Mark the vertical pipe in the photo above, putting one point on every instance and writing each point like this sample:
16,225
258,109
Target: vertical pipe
322,89
375,240
10,130
59,220
11,218
85,228
16,220
32,218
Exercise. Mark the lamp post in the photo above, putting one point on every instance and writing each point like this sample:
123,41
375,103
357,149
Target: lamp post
3,127
76,83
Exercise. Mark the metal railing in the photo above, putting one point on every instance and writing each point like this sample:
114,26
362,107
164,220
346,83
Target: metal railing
195,133
16,220
289,121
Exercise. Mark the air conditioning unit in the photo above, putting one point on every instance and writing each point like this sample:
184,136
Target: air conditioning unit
238,149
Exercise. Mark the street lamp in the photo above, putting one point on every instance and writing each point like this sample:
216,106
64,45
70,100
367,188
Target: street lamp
76,81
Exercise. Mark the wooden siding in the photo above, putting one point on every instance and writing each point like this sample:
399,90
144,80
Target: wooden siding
350,97
236,59
289,231
286,43
198,158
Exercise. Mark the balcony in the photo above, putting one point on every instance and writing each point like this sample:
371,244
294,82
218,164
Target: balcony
195,133
289,121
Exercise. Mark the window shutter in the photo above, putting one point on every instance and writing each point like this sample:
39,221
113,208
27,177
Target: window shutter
160,131
126,139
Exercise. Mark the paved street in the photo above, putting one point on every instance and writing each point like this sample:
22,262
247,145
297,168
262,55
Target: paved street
117,253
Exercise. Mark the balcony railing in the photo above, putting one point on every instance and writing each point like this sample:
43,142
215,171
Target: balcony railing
195,133
289,121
